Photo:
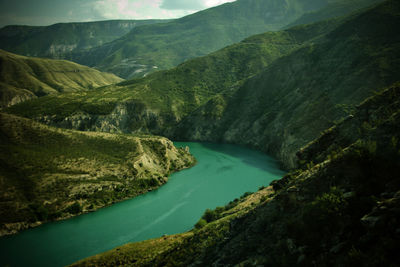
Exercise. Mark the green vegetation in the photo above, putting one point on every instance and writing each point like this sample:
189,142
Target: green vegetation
260,92
341,206
198,241
333,9
161,46
48,173
23,78
60,40
291,93
343,211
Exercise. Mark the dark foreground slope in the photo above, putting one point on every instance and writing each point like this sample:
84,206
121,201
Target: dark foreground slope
23,78
275,91
341,209
58,41
48,173
162,46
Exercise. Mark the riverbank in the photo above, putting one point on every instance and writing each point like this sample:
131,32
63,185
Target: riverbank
50,174
222,173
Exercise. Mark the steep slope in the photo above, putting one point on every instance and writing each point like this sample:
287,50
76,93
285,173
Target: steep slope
298,96
333,9
276,91
48,173
343,211
59,40
155,103
163,46
23,78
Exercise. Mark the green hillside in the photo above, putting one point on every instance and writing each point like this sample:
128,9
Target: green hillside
332,9
299,95
340,209
49,174
59,40
163,46
23,78
260,92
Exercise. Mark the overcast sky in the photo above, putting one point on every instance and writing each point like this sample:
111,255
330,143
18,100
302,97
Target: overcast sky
46,12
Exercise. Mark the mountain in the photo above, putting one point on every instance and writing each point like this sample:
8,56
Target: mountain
23,78
340,209
59,40
275,91
161,46
332,9
49,174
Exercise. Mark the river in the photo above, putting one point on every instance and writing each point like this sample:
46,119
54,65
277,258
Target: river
223,173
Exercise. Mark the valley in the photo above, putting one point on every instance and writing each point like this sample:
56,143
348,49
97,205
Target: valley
314,84
173,208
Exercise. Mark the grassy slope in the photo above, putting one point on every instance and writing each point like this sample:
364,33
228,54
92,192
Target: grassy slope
333,9
58,40
46,172
342,211
27,77
166,45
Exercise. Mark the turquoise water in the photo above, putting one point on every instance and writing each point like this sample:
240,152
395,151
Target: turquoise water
223,173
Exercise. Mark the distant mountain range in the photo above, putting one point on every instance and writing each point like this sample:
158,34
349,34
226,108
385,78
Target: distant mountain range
58,41
136,48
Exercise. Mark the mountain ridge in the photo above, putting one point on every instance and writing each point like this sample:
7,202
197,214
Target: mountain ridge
23,78
153,47
292,71
57,41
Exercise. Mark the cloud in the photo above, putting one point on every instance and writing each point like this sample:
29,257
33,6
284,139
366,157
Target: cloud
183,4
132,9
191,4
45,12
211,3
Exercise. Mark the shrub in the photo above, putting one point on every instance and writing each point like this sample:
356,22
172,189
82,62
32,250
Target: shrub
74,208
210,215
200,224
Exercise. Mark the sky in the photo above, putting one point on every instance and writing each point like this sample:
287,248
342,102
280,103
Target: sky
47,12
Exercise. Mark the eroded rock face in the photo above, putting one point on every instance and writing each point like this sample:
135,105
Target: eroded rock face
126,117
21,97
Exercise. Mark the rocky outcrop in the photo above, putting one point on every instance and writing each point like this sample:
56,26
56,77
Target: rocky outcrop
51,174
